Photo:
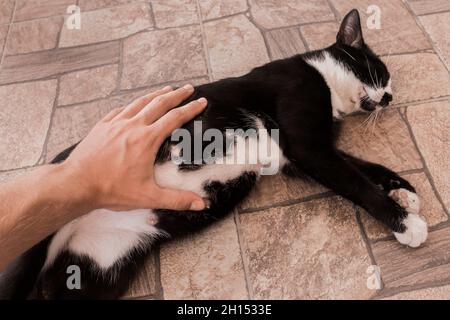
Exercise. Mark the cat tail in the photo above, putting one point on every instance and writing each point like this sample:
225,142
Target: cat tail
17,281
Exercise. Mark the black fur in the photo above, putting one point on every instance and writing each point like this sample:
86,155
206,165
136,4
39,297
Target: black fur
289,95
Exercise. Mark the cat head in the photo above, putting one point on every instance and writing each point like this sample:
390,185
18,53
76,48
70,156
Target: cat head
358,79
351,50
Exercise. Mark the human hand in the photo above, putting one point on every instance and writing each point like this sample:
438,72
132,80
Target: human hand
113,166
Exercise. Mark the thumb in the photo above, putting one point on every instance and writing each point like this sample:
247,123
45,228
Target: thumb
178,200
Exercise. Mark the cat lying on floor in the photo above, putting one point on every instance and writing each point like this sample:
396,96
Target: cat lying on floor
300,96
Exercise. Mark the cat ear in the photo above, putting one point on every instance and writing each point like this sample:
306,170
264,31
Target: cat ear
350,32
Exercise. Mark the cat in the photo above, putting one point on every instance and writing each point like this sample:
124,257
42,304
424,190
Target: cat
302,97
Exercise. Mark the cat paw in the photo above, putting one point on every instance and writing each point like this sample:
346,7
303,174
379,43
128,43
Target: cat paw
407,199
416,231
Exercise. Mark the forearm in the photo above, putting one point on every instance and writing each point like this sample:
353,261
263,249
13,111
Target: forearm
36,205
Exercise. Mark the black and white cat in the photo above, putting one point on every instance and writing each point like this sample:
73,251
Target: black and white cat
300,96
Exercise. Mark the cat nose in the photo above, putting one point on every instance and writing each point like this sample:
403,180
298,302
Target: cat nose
387,97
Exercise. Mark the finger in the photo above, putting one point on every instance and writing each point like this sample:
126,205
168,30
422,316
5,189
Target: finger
112,114
163,103
176,118
178,200
137,105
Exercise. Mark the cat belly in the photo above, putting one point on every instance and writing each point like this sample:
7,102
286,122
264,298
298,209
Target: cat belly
106,236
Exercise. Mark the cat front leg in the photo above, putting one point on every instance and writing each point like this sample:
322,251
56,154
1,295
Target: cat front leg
335,171
402,192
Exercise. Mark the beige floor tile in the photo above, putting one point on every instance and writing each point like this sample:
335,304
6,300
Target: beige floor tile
48,63
388,142
88,5
399,31
24,122
108,24
284,43
403,266
430,124
431,209
280,189
7,176
174,13
212,9
319,36
160,56
312,250
438,27
34,9
6,11
3,34
428,6
235,46
434,293
88,84
282,13
418,76
35,35
204,266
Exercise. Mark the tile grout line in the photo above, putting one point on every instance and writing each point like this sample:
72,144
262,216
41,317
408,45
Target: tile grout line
404,117
204,41
7,34
427,35
43,156
120,67
336,13
432,13
242,249
160,289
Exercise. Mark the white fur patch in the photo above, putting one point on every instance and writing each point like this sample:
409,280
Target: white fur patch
416,228
416,231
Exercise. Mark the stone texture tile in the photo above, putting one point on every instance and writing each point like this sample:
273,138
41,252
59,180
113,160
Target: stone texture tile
418,76
87,85
3,34
312,250
212,9
431,209
71,124
282,13
6,10
431,128
435,293
438,27
280,189
399,31
34,9
318,36
47,63
159,56
235,46
284,43
205,266
388,142
146,283
428,6
108,24
403,266
88,5
174,13
24,121
35,35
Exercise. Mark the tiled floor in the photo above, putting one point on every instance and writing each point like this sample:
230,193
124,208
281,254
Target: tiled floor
291,239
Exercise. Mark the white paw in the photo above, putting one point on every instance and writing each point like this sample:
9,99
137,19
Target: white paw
416,231
407,199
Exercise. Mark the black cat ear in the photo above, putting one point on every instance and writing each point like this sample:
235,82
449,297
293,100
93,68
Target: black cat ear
350,32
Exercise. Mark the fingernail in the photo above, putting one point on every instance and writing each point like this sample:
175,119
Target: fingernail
202,100
189,87
167,88
197,205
